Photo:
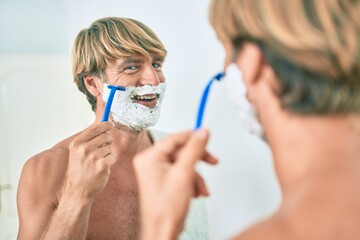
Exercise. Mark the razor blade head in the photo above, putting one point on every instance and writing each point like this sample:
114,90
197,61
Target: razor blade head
219,76
121,88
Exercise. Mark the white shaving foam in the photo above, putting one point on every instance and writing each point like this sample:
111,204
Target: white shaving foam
133,115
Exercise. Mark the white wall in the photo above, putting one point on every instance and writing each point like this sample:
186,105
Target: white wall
243,185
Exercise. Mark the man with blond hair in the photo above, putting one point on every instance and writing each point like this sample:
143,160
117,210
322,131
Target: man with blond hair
300,67
84,187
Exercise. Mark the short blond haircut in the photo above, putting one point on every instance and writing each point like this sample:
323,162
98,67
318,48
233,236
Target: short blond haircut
109,39
312,45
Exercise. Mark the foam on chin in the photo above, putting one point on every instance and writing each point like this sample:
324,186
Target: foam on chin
133,115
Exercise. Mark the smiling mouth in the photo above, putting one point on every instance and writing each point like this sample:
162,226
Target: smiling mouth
145,98
148,100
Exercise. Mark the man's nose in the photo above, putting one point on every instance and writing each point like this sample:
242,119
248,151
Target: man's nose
149,76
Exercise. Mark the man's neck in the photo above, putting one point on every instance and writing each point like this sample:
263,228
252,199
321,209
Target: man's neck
309,147
126,142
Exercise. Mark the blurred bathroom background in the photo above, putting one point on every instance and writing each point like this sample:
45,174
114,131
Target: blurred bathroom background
40,105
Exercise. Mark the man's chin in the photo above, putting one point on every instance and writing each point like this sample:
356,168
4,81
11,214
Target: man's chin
127,128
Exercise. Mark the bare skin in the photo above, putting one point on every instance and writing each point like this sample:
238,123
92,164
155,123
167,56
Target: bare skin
316,160
111,214
84,187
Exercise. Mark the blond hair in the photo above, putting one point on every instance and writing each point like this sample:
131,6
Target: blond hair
109,39
312,45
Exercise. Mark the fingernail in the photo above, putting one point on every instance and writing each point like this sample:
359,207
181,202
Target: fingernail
207,192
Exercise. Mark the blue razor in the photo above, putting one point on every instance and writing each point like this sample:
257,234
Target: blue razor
204,98
110,100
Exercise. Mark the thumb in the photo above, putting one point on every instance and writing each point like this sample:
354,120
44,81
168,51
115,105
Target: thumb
193,150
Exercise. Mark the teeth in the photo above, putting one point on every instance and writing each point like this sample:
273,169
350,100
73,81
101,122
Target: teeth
138,97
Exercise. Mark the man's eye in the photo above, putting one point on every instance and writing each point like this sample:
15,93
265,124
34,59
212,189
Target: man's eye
131,69
156,65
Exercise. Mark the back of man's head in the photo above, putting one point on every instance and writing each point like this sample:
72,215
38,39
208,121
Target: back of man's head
313,47
109,39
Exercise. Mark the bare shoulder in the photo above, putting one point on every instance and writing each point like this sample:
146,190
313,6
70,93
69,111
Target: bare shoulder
45,171
274,228
325,209
43,174
48,165
285,224
39,188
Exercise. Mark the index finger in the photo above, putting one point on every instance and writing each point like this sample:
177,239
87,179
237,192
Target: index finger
165,149
193,150
94,130
171,144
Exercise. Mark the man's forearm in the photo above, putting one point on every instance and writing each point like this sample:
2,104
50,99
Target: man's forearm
70,220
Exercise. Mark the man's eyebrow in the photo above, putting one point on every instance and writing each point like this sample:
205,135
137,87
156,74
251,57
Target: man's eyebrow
158,59
138,60
130,60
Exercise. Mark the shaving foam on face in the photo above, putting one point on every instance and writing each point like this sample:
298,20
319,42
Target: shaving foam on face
133,115
237,92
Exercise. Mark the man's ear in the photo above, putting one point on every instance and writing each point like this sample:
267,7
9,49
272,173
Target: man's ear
92,85
256,70
250,61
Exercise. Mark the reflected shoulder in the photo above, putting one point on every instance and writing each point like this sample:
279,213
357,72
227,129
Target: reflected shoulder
46,170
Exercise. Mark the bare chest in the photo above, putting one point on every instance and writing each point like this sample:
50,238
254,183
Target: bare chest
115,211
